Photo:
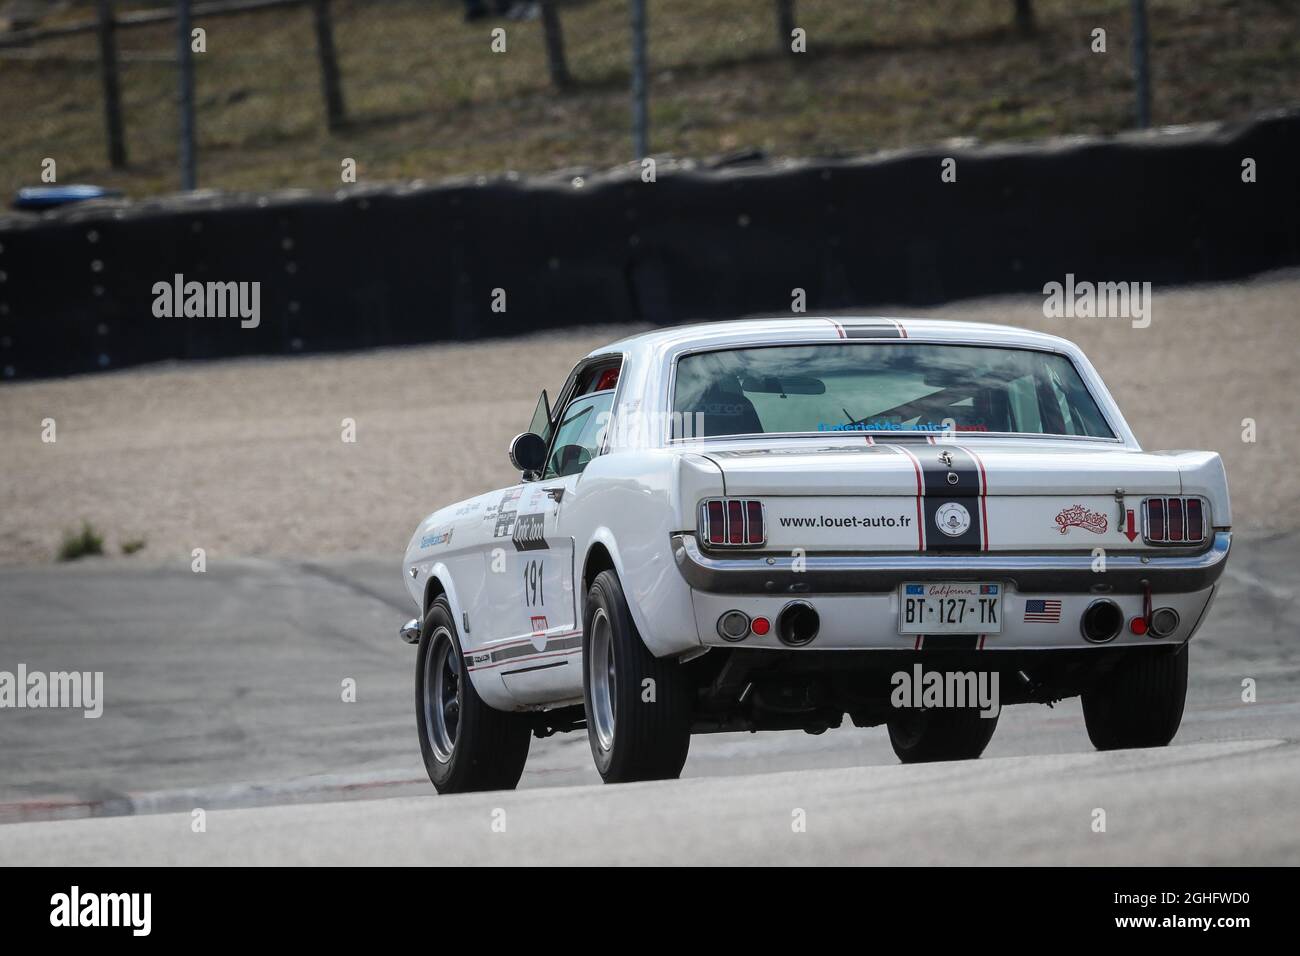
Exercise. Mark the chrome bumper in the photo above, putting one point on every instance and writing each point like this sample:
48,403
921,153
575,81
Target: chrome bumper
410,631
875,573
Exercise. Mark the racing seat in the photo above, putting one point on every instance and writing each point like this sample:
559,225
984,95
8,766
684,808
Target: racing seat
724,410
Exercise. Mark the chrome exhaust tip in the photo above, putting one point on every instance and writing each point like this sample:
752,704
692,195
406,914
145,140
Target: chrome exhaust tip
797,624
410,631
1101,622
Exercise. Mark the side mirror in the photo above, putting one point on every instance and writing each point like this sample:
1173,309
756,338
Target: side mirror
528,452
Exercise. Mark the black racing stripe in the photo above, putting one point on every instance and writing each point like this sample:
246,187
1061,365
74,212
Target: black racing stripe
536,667
524,650
958,477
877,331
951,642
952,488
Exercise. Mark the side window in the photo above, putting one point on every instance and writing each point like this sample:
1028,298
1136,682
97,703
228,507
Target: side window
1062,403
1024,404
579,434
541,423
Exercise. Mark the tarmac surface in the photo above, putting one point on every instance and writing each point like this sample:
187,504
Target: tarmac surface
224,691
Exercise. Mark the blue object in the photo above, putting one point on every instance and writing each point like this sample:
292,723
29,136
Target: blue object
46,197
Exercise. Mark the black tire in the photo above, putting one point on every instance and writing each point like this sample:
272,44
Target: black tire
923,736
649,738
1140,703
488,748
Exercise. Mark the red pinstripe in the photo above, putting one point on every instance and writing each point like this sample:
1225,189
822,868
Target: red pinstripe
984,492
920,492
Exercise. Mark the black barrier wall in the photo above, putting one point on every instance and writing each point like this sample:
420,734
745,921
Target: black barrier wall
399,265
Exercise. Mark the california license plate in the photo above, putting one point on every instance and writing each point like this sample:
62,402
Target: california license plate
957,607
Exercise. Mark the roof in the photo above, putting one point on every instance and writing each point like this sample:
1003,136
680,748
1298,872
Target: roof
830,329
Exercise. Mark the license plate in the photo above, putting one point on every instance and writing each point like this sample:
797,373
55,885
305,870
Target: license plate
958,607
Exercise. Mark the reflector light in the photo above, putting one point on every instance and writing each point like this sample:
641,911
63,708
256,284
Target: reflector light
754,517
1156,519
735,522
1195,522
1138,625
716,523
1175,509
760,626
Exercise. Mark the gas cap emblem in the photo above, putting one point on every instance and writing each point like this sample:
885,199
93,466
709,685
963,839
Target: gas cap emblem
952,519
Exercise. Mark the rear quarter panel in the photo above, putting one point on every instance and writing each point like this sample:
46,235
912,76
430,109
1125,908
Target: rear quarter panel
632,502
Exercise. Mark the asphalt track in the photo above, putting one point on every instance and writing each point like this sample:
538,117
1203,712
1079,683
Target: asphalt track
223,691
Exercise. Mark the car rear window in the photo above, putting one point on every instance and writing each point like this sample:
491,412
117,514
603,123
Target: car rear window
882,388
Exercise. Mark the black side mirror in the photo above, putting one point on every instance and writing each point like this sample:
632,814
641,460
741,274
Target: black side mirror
528,452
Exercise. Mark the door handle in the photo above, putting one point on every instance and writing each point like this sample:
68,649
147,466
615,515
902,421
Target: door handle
555,494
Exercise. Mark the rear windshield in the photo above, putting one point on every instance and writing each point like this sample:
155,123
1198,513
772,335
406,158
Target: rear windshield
864,387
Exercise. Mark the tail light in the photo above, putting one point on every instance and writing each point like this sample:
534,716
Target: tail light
1173,521
732,522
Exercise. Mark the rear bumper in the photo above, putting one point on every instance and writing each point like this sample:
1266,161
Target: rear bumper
775,575
869,622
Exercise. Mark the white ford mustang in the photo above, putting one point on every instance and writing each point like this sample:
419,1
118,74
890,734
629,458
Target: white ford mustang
759,525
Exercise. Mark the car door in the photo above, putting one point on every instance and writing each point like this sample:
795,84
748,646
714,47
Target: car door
545,665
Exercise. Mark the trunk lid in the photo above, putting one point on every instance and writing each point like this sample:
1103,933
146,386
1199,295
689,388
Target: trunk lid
977,496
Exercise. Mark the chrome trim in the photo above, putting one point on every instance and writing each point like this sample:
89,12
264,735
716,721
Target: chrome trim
602,679
1157,632
727,637
1049,573
442,695
514,459
939,436
410,631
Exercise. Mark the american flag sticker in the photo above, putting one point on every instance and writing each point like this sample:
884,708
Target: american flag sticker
1042,612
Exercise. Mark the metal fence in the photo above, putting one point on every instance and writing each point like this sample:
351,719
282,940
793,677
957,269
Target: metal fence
258,93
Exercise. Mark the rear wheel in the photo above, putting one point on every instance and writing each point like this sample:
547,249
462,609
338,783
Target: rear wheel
1140,704
466,744
638,705
921,736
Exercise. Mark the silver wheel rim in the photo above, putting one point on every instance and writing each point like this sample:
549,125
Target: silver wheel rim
442,695
600,670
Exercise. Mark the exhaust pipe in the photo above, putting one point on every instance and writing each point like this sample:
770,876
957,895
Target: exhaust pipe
797,624
410,631
1102,621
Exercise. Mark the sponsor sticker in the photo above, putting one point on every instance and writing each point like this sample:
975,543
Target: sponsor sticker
1077,516
436,538
529,532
